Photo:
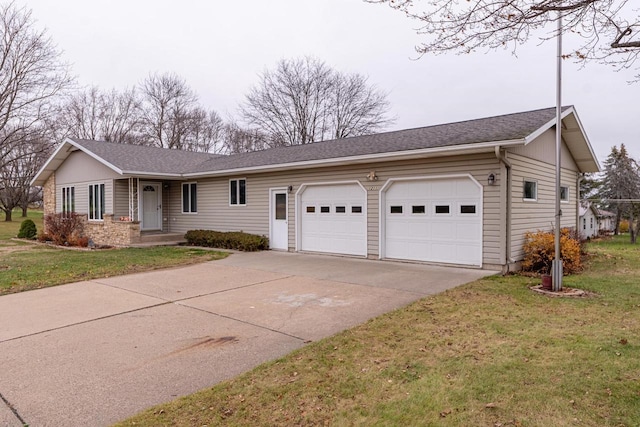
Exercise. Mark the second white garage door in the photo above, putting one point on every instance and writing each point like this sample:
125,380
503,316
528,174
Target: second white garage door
333,219
436,220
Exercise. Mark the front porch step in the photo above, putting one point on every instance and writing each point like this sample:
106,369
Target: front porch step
159,239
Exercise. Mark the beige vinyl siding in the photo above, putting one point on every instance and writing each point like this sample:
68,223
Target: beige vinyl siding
80,170
82,196
540,214
543,148
214,211
80,167
121,198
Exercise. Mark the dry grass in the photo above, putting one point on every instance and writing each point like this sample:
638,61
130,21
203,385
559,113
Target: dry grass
491,353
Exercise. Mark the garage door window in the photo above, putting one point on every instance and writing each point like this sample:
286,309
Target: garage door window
467,209
311,209
356,209
325,209
443,209
341,209
418,209
395,209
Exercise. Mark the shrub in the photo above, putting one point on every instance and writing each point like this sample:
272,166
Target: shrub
624,226
64,229
227,240
27,230
539,252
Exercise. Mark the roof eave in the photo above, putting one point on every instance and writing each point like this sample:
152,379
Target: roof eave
585,165
397,155
151,175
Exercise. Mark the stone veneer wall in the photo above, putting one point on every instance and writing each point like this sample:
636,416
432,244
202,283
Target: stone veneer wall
49,196
113,233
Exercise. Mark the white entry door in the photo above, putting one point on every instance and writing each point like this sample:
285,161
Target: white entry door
279,222
151,206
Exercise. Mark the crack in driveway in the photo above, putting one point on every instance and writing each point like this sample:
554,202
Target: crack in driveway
13,410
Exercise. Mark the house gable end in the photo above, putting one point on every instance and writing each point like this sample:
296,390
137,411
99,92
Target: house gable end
543,148
80,167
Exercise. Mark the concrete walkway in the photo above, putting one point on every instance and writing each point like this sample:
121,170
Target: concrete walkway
96,352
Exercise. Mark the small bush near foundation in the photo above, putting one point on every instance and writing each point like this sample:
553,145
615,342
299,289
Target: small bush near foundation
227,240
64,229
539,252
27,230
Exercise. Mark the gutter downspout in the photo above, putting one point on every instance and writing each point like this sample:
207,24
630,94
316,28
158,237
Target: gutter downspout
578,203
507,253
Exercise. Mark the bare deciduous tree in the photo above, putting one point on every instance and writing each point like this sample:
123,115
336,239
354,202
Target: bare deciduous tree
121,121
172,117
205,131
167,101
16,174
92,114
31,76
304,100
236,139
608,28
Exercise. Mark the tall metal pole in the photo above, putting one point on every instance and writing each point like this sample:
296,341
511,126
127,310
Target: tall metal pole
557,262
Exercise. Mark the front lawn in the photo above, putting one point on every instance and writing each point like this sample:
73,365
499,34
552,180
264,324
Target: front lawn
490,353
24,266
10,229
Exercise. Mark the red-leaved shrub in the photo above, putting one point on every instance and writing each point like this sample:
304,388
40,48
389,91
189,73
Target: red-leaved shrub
64,229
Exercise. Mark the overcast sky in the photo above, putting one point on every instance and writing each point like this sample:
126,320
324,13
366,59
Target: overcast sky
220,47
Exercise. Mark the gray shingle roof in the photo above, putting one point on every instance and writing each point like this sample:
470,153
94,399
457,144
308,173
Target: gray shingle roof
138,158
133,158
498,128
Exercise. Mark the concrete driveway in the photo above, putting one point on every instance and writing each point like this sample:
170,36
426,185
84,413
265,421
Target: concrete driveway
96,352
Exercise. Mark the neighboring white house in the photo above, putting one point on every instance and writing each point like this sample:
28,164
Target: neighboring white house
606,222
462,193
588,221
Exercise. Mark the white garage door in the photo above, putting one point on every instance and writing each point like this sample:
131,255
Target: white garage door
437,220
333,219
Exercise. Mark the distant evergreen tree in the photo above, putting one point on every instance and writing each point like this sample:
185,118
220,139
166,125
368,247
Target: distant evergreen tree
620,189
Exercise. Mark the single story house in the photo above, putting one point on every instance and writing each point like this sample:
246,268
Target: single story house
462,193
588,226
